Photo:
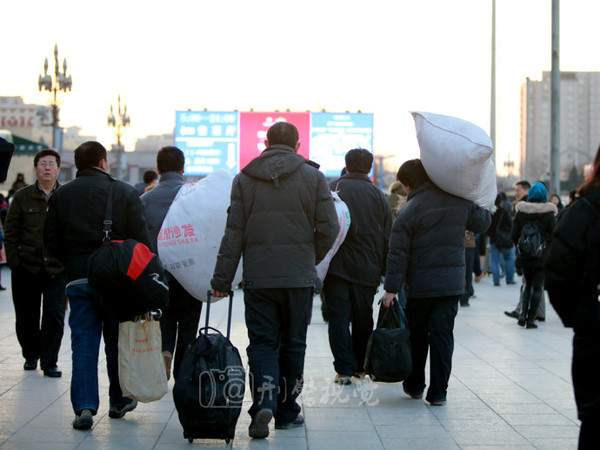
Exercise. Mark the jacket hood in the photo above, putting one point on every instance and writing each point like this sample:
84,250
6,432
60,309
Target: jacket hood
275,163
536,208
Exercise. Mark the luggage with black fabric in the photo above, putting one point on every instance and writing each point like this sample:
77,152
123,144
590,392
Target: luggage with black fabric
388,355
210,385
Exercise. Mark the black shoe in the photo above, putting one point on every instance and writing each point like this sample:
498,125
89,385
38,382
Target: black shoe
521,320
297,422
531,325
53,372
259,427
511,282
464,304
30,364
540,319
511,314
2,288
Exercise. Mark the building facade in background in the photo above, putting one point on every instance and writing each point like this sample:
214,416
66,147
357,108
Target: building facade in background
579,124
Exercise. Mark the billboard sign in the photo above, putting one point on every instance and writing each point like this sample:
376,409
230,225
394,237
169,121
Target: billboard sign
230,140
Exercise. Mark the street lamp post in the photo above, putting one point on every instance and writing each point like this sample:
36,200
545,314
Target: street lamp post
61,82
122,120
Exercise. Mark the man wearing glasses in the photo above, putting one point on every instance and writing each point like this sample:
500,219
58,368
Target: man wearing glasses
35,273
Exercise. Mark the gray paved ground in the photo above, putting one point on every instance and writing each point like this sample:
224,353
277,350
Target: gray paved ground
510,388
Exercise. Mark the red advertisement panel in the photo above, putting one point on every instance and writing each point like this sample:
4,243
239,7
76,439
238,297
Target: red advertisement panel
253,132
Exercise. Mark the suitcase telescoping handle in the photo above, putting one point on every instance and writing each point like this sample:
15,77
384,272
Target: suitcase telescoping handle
208,297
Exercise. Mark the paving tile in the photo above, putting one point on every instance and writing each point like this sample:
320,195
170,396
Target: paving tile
510,388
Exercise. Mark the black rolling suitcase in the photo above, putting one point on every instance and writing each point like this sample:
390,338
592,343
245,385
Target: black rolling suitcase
210,385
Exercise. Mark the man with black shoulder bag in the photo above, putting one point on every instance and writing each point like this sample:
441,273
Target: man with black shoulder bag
73,231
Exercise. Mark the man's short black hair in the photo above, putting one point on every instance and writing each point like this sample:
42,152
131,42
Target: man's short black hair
150,176
89,154
46,152
170,159
524,184
283,133
359,160
412,174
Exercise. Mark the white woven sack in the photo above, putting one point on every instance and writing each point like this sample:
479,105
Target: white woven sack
457,156
191,233
343,214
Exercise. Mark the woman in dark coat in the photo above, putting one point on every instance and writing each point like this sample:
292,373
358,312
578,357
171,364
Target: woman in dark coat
535,211
572,281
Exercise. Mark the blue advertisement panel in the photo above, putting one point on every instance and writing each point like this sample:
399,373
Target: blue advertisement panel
333,134
209,141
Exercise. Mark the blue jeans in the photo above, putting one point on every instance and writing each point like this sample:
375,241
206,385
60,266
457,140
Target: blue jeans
508,255
89,320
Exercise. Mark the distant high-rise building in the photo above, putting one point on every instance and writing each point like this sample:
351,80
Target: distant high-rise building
579,124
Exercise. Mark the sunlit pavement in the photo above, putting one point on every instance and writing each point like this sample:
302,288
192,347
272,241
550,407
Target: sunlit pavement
510,388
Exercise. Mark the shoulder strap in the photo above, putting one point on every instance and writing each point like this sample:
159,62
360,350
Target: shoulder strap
108,213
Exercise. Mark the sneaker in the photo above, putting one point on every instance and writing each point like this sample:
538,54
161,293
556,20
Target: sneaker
297,422
83,420
438,403
342,379
116,412
359,375
259,427
415,395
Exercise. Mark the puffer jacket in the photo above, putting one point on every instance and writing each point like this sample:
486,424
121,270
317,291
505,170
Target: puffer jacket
281,218
24,233
542,213
427,243
74,223
573,265
361,257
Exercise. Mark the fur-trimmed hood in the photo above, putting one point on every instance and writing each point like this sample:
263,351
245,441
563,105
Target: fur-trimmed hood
536,208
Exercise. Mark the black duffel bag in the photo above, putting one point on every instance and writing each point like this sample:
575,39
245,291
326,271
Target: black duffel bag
127,273
388,357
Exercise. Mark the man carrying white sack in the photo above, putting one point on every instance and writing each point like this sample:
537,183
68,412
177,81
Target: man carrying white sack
426,252
179,323
282,218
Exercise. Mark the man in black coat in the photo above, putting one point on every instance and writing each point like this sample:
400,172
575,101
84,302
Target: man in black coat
74,229
355,271
427,253
283,220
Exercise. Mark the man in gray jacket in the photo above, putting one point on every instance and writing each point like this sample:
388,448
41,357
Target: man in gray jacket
179,323
282,219
427,253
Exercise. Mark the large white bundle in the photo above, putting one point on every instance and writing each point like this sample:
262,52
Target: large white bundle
457,156
343,214
191,233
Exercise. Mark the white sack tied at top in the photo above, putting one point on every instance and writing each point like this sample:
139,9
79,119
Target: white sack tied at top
191,233
458,157
343,215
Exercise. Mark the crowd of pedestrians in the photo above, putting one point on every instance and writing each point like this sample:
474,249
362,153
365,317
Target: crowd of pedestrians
421,242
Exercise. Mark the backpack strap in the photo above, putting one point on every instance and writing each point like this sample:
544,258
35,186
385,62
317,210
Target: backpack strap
107,224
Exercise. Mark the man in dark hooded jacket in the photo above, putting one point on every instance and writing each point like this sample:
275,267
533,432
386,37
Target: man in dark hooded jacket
282,219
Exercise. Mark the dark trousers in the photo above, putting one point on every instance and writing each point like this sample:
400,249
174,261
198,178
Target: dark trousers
348,304
470,253
533,290
431,323
28,289
277,321
179,323
586,353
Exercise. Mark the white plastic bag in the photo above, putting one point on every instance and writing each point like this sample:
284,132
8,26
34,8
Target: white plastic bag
344,220
142,373
457,156
191,233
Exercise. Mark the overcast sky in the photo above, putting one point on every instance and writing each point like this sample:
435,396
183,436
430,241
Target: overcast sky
385,57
